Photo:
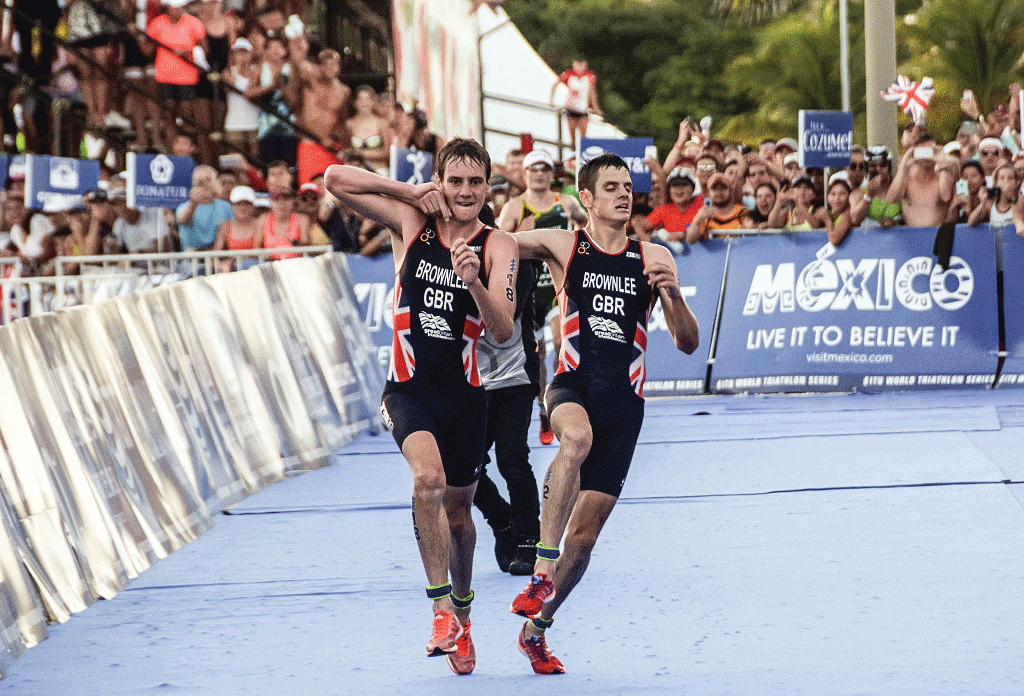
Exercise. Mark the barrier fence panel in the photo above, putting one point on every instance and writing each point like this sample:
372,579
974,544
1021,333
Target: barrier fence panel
876,313
129,422
670,372
1012,257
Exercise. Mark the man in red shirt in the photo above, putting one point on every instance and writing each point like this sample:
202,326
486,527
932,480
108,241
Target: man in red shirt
177,35
582,97
676,215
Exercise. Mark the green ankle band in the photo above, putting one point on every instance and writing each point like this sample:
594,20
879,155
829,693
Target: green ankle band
439,591
542,624
463,602
547,553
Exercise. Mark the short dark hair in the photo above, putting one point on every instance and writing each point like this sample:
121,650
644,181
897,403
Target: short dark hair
972,164
463,148
587,176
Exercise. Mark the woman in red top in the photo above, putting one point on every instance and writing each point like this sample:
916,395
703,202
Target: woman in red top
177,35
243,232
282,226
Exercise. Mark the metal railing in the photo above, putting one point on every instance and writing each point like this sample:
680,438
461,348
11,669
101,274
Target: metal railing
103,276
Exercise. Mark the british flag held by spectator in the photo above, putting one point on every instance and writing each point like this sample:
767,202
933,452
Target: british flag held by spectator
912,97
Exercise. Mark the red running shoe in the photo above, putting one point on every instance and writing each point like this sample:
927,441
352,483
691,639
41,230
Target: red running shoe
530,601
547,435
463,660
536,648
445,634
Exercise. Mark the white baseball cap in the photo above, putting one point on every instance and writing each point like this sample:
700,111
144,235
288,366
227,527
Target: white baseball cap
538,157
240,194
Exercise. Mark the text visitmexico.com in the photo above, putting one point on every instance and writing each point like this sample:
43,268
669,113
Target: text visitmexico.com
827,357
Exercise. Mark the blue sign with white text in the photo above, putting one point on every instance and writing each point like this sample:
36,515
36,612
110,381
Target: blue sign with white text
632,150
826,138
57,183
670,372
876,313
158,181
1012,373
411,166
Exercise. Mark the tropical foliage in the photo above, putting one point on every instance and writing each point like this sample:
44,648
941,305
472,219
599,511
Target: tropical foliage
753,64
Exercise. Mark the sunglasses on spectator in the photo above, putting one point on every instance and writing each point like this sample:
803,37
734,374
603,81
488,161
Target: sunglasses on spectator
858,166
990,153
540,168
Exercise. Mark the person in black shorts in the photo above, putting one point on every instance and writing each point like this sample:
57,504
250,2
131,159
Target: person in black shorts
606,284
455,277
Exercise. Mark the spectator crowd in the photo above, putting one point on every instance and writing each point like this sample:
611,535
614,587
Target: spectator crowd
248,92
244,88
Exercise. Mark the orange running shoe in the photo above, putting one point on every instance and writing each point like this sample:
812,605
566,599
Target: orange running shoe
463,660
530,601
536,648
547,436
445,634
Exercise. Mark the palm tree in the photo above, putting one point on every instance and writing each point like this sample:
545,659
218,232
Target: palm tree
794,66
970,44
756,11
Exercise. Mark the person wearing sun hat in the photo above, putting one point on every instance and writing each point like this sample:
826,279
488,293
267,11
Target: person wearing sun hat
723,213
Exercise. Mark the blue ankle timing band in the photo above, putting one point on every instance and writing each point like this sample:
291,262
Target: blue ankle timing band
463,602
542,624
439,591
547,553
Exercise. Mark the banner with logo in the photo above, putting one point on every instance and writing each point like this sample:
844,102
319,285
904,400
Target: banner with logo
158,181
671,372
1012,373
826,138
57,183
877,313
411,166
633,150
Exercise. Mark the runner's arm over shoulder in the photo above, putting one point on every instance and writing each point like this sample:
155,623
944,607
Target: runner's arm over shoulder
549,245
663,276
394,204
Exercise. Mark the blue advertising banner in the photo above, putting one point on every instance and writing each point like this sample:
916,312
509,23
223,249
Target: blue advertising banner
670,372
877,313
57,183
411,166
1012,373
374,282
825,138
158,181
633,150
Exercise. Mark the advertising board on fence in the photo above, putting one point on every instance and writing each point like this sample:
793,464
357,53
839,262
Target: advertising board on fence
1012,246
57,183
632,150
411,166
158,181
669,371
875,314
826,138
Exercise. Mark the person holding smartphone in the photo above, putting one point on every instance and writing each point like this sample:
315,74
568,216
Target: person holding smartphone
967,195
923,184
997,203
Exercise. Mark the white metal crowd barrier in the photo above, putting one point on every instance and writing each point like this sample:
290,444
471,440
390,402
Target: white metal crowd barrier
102,277
128,424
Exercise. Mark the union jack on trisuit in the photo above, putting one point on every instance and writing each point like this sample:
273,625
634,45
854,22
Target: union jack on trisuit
638,369
912,97
403,359
471,335
570,358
